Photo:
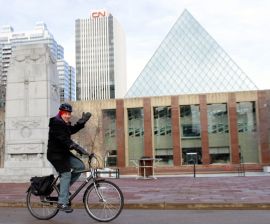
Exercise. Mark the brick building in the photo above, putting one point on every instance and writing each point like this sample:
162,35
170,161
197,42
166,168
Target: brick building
222,129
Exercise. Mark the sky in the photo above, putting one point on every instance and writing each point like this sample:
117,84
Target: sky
241,27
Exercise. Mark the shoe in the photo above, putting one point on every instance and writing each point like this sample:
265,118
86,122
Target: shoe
64,208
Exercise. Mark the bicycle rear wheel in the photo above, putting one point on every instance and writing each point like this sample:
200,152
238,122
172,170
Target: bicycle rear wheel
103,200
43,207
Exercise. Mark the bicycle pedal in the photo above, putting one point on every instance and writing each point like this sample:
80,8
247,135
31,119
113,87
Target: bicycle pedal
52,198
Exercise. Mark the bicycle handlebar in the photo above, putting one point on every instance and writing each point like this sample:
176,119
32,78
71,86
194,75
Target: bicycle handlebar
92,156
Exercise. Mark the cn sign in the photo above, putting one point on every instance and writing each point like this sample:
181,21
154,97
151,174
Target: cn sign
98,14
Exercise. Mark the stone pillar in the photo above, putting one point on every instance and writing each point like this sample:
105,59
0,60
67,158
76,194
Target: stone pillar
235,158
148,138
204,130
2,136
32,98
263,114
177,154
120,133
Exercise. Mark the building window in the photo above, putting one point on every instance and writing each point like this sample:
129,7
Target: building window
190,133
191,155
218,133
112,92
219,154
135,134
190,130
163,135
247,132
109,136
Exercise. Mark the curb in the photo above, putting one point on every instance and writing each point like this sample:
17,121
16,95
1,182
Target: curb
169,206
200,206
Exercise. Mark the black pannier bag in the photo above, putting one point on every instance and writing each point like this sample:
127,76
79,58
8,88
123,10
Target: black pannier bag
42,185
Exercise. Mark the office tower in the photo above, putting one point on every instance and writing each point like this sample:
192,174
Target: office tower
72,80
10,40
189,61
67,81
100,57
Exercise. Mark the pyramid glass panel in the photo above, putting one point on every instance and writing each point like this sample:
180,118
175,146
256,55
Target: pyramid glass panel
189,61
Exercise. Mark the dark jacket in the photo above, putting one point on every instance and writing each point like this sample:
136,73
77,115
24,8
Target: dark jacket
59,142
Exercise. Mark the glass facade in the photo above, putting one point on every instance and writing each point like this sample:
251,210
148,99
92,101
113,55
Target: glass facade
247,132
163,135
190,131
218,133
109,132
189,60
135,134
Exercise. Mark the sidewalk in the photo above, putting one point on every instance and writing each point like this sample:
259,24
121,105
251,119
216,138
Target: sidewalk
175,192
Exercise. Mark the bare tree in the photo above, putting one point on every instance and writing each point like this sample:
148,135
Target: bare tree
91,136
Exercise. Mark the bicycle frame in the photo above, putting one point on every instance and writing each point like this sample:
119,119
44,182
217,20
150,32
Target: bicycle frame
85,182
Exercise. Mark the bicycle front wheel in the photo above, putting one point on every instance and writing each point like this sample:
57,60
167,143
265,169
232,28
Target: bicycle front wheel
43,207
103,200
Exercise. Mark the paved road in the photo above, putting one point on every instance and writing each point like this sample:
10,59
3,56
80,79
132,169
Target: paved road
21,216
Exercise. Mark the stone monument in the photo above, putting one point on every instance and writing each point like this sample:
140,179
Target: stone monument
32,98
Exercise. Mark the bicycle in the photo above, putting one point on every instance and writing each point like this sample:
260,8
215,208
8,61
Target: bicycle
102,199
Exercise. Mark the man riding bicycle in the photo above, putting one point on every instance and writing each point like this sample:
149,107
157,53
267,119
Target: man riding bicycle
59,146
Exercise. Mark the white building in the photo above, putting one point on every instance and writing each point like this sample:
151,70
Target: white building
100,57
72,86
67,82
10,39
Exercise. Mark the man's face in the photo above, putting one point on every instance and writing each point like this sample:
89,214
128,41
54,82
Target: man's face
66,116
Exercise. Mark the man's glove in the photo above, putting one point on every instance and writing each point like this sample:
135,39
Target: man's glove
78,149
85,117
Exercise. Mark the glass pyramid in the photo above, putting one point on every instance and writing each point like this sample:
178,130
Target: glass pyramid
189,61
